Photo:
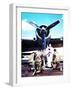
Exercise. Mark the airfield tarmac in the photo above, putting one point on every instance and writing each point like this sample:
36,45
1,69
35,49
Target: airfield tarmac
43,73
48,72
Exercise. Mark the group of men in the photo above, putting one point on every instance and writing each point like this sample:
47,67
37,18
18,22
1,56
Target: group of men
47,58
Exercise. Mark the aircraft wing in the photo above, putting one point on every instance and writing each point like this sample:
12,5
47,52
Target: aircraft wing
29,45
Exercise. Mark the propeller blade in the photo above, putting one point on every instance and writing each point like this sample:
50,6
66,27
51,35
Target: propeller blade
53,25
33,24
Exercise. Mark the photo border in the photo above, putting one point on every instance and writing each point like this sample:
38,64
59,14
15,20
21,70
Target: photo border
15,44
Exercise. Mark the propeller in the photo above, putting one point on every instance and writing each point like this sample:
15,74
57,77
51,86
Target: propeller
53,25
33,24
43,27
43,31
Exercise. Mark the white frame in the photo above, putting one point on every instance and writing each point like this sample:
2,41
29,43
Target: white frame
15,50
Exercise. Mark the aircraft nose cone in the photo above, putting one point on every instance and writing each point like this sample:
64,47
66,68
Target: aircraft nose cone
43,28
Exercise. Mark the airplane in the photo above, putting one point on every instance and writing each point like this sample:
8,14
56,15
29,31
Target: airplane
43,38
42,32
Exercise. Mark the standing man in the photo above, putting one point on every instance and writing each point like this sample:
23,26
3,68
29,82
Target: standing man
49,55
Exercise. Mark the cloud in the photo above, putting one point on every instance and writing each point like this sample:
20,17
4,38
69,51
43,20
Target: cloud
26,26
28,31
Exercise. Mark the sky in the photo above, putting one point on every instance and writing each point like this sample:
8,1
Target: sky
28,31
